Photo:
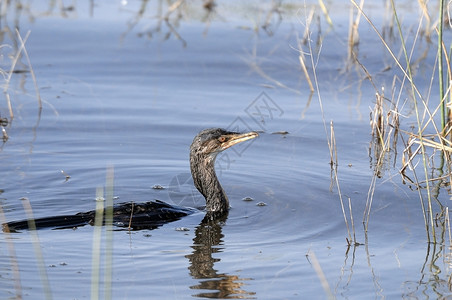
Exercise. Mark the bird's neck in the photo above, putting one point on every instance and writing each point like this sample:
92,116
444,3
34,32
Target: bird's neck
206,181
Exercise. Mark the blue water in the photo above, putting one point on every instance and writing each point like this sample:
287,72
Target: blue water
114,98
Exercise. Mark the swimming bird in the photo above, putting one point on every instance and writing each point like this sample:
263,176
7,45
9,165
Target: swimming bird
204,149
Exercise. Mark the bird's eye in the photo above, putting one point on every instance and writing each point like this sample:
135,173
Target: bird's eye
222,139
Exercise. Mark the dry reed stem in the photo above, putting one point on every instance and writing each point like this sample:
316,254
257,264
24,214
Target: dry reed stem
8,102
274,10
351,218
33,76
320,274
12,256
353,34
415,93
325,12
446,151
368,76
424,9
313,63
384,127
173,8
37,248
411,155
10,74
130,219
444,145
307,24
97,236
377,122
109,233
331,141
447,219
334,165
416,182
436,145
301,56
305,71
391,53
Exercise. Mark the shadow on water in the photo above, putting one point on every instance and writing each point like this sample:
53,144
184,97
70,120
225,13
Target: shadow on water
207,242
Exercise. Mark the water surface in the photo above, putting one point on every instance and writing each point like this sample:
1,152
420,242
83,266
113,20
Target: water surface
113,97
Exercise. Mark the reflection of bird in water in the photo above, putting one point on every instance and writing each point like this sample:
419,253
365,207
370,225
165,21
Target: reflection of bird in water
203,151
207,245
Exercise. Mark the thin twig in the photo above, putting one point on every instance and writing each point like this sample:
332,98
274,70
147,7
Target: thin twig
38,95
131,216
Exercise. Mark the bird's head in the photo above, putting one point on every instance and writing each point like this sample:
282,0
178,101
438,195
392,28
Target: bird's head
210,142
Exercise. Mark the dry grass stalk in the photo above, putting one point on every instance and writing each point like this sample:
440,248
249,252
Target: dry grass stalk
305,71
428,143
20,51
391,53
353,34
408,155
424,9
447,219
130,219
377,121
325,12
384,124
335,180
37,248
33,76
320,274
446,145
268,25
108,272
301,56
331,140
10,74
97,234
12,256
307,25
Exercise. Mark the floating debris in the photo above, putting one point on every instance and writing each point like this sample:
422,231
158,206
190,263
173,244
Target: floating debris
67,176
63,263
247,199
20,71
158,187
261,204
281,132
182,229
5,135
3,121
147,235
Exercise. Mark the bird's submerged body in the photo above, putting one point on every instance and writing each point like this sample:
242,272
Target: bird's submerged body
130,216
135,216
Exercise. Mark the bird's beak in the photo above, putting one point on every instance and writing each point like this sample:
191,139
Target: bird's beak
238,138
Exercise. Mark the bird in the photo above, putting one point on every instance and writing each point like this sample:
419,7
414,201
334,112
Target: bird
204,149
